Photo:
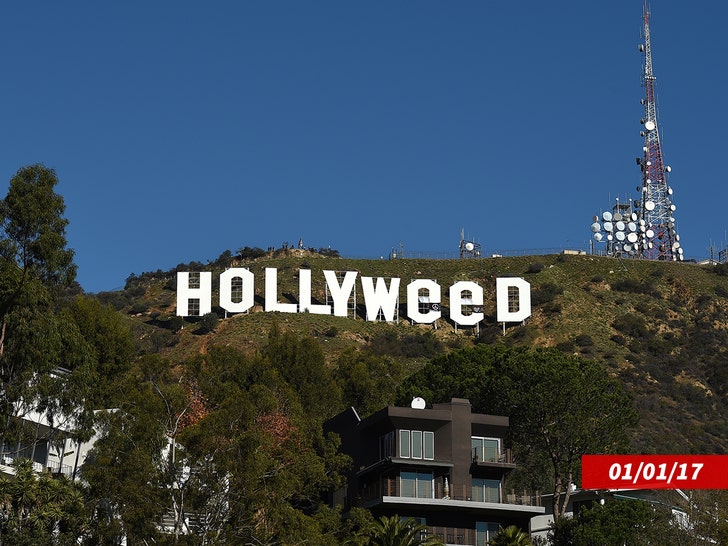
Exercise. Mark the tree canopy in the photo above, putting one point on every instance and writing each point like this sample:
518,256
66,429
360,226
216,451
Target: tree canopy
560,406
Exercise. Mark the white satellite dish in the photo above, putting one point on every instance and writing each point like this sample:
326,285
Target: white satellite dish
632,226
608,226
598,237
632,237
650,234
634,216
620,236
650,125
620,226
669,191
650,205
418,403
610,237
673,207
607,216
469,246
627,247
595,227
617,216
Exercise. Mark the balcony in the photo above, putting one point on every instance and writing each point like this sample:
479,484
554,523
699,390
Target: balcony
501,458
390,487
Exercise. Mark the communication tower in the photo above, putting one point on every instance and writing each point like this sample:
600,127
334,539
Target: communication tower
660,240
645,227
469,249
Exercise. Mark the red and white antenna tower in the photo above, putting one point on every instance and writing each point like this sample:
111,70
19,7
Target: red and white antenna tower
659,238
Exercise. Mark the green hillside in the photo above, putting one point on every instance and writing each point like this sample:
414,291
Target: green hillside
661,328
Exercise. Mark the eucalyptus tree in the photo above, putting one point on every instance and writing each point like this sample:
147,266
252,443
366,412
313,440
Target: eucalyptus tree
46,365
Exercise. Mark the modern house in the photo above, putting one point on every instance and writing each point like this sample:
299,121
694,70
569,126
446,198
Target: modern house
443,466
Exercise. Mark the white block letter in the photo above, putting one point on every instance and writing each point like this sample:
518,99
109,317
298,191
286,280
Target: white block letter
271,293
434,298
340,294
304,295
457,301
185,293
226,293
380,298
513,299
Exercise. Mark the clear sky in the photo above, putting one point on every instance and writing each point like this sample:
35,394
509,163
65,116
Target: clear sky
181,129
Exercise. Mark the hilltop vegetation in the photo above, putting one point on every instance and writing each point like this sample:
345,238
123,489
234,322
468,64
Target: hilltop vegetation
660,328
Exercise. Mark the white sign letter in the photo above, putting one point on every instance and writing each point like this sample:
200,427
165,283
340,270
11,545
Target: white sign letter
247,280
431,302
340,294
513,297
185,293
457,301
271,293
380,298
304,295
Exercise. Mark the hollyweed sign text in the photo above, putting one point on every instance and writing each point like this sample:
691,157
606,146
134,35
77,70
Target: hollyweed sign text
423,296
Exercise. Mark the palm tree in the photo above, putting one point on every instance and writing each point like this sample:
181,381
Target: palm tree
510,536
395,531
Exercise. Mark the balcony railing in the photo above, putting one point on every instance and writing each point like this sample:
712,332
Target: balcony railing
390,487
504,457
453,535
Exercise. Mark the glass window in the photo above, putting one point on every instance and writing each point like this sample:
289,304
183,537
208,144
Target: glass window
485,449
429,445
486,490
416,444
404,444
484,532
416,484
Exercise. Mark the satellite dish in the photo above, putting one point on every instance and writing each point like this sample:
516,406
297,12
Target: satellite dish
669,191
632,237
650,205
650,234
598,237
668,169
632,226
608,226
650,125
469,246
620,226
675,245
610,237
634,216
620,236
627,247
607,216
418,403
677,237
595,227
617,216
673,207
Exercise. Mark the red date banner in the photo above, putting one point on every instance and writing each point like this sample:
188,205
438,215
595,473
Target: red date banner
654,471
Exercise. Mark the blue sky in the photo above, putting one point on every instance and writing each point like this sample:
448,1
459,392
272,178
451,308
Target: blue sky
182,129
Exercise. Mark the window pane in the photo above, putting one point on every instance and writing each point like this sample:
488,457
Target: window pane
424,485
429,447
477,494
408,484
477,445
492,490
416,444
404,443
490,448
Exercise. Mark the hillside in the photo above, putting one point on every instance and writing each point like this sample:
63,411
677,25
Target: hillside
661,328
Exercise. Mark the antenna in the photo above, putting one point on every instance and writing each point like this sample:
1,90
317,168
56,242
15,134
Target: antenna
660,241
645,227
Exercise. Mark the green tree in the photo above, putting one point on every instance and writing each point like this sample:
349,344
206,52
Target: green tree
510,536
368,382
615,523
560,407
395,531
40,508
45,363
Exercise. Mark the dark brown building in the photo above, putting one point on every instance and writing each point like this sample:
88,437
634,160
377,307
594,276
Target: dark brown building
443,466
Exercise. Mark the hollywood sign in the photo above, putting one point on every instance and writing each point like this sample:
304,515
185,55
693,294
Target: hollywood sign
513,296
